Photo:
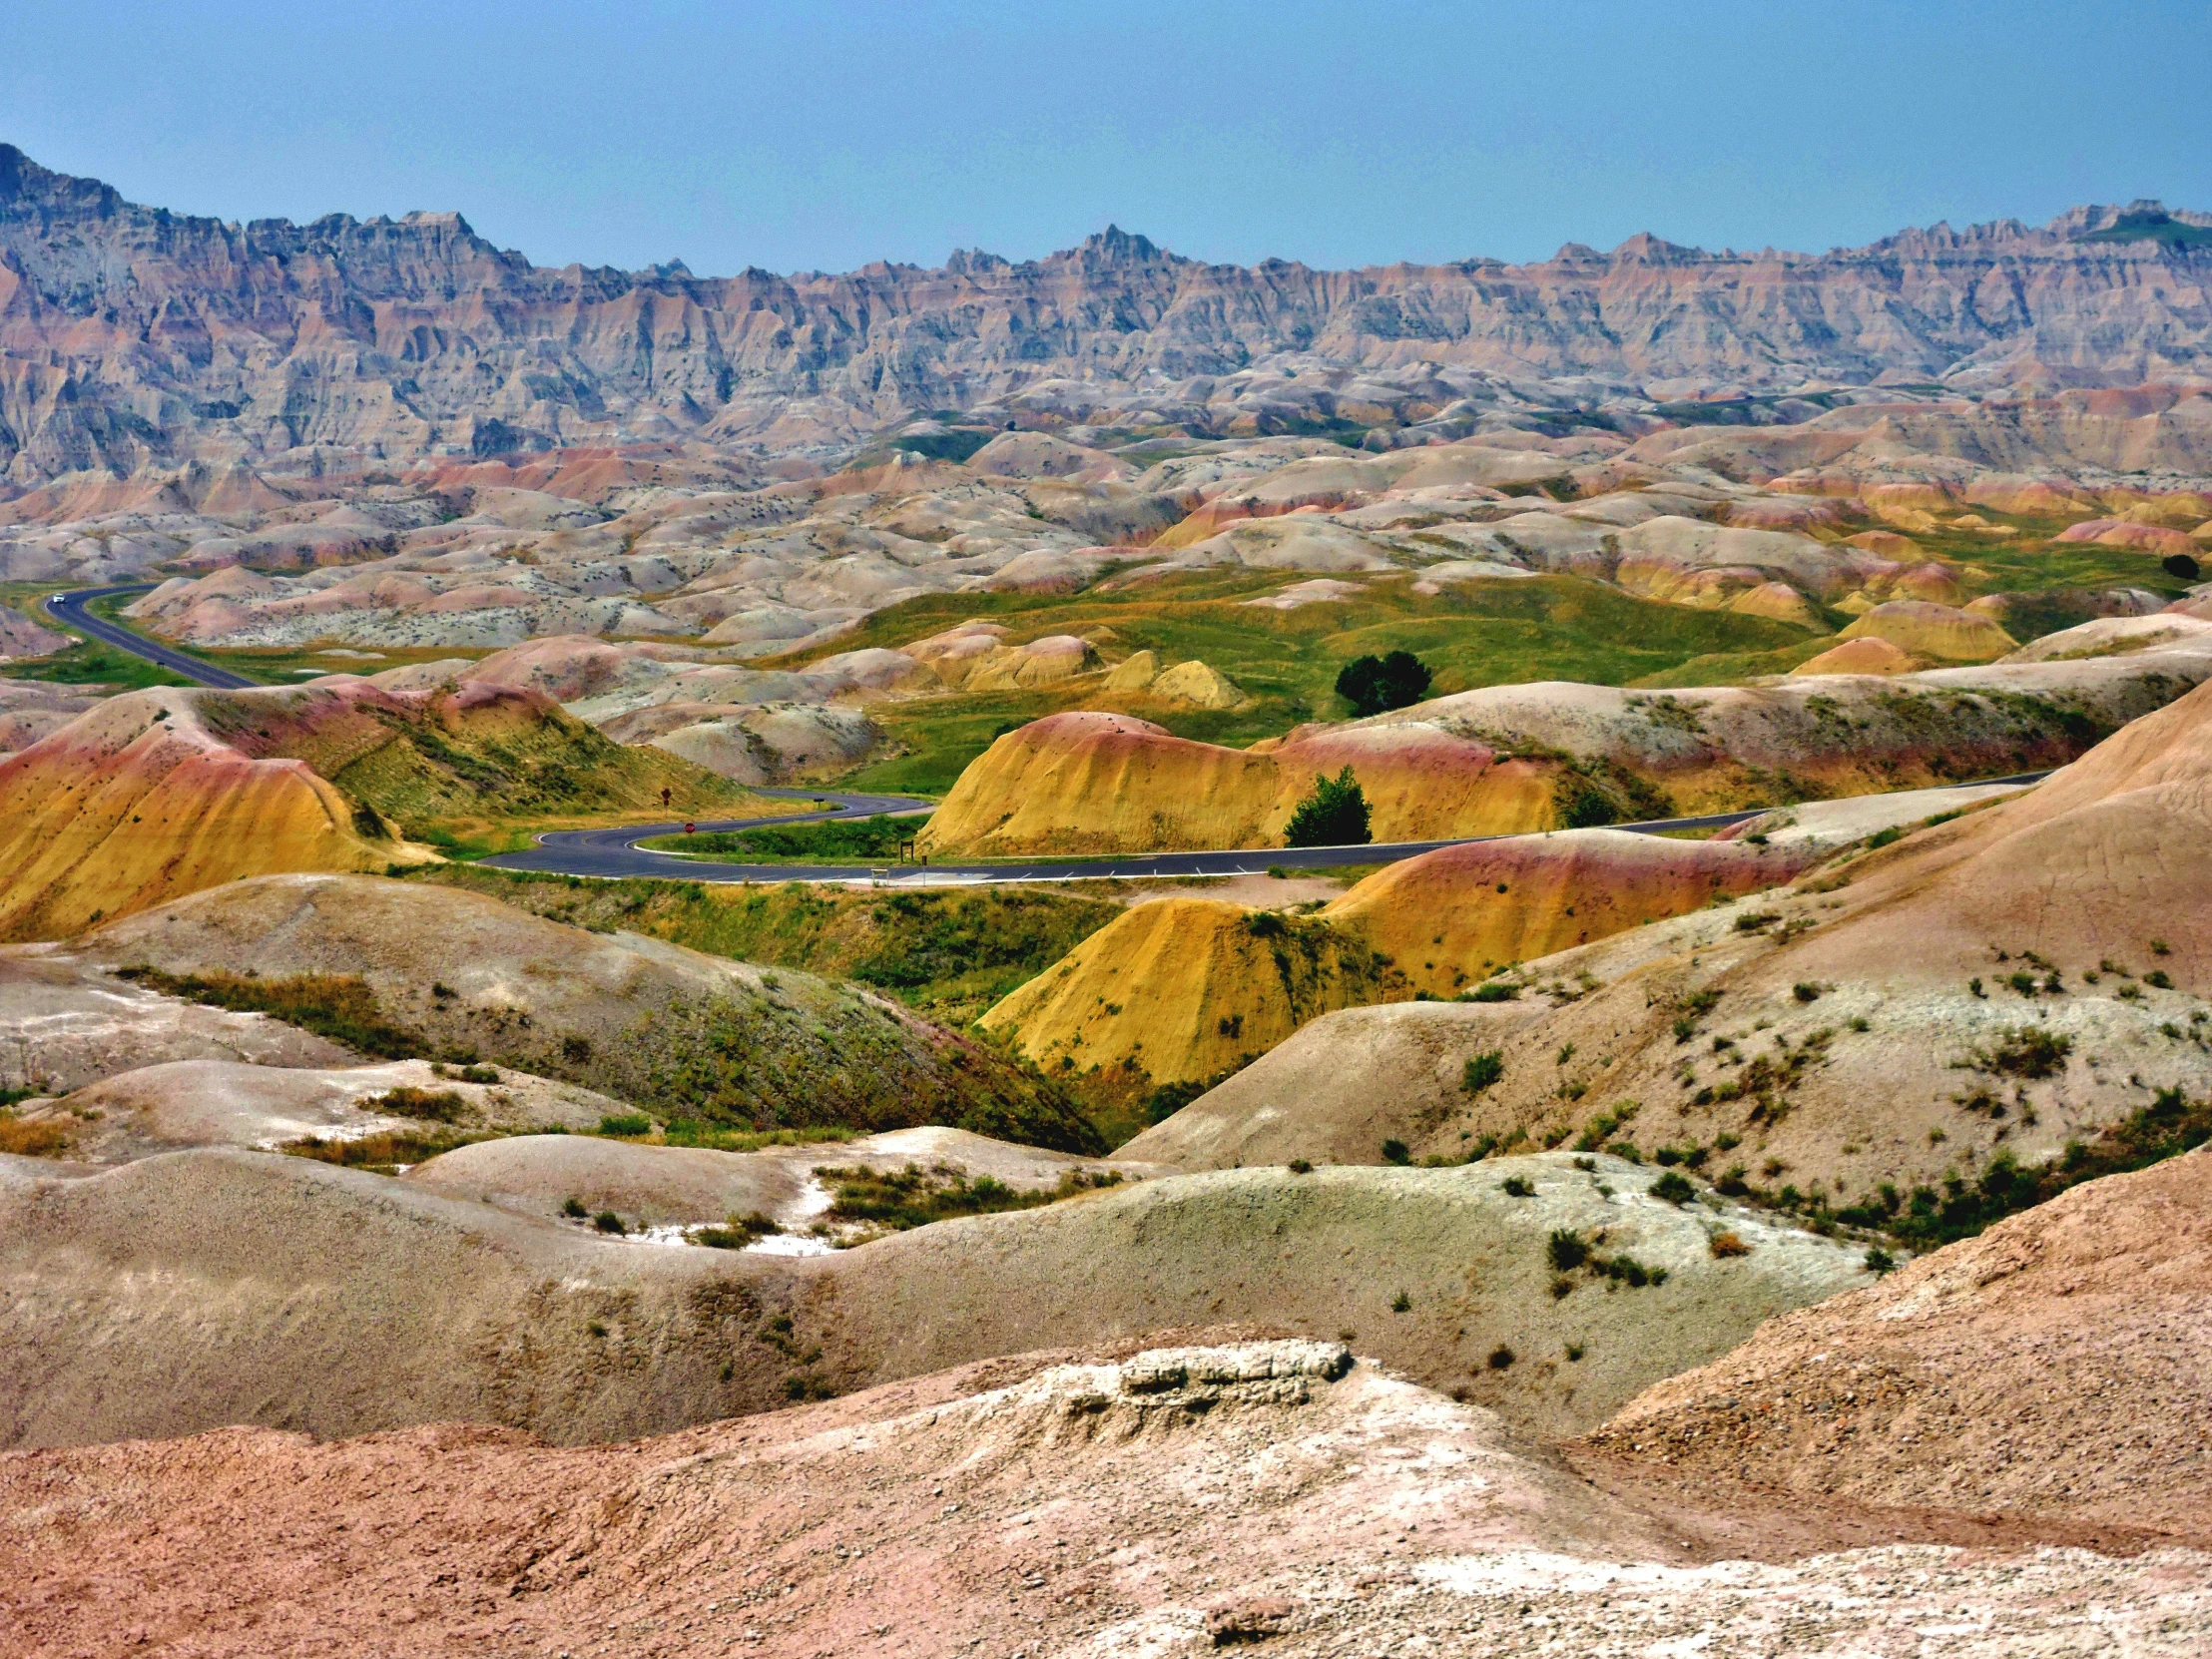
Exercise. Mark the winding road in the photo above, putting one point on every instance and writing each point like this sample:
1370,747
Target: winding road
71,611
614,854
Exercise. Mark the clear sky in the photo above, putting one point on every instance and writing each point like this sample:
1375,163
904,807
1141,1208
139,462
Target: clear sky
826,135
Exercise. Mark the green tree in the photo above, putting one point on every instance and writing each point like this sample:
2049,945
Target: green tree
1373,684
1334,815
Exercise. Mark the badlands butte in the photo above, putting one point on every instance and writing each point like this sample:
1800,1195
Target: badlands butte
1791,1233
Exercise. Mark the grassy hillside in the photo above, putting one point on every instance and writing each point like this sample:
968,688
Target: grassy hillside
947,954
469,757
1287,662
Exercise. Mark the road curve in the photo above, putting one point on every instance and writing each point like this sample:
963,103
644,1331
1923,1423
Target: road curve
613,853
69,609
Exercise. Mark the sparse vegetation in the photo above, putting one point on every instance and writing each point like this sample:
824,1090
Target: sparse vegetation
1517,1186
1395,1151
893,1201
1962,1207
337,1006
736,1231
1725,1244
31,1137
430,1105
2028,1051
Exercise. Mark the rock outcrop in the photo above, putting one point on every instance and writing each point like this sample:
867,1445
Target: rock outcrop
133,339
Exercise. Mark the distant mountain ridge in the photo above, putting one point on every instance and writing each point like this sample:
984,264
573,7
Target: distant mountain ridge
132,337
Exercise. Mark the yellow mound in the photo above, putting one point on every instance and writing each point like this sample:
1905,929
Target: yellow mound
1869,654
1136,674
1777,601
1091,782
1933,631
1187,988
135,803
1447,918
1199,685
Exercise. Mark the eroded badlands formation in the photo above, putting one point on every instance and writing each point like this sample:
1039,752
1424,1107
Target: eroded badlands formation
1790,1239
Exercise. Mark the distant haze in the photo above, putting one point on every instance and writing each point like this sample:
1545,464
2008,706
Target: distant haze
828,136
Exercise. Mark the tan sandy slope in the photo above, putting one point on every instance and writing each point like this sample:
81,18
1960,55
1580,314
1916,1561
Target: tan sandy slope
672,1030
1136,1499
194,1289
2054,1365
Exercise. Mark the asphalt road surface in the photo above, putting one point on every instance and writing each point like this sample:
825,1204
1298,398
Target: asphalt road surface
69,609
614,853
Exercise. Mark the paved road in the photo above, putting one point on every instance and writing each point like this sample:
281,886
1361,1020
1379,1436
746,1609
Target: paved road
614,853
70,610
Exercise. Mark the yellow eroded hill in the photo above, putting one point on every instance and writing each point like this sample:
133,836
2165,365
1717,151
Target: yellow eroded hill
1450,917
135,803
1101,782
1187,988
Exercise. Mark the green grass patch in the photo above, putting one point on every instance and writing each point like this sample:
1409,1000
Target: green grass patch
841,840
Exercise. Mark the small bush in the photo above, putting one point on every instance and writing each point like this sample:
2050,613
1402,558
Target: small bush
1757,919
1373,684
2028,1051
1334,814
2159,947
1672,1187
1402,1303
1300,1166
1395,1151
1493,991
576,1050
574,1209
1725,1244
1483,1070
1880,1261
1517,1185
736,1231
2158,978
608,1222
1565,1249
1501,1358
1575,1353
1807,991
626,1123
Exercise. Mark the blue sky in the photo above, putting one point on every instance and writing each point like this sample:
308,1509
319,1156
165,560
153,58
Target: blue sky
828,134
